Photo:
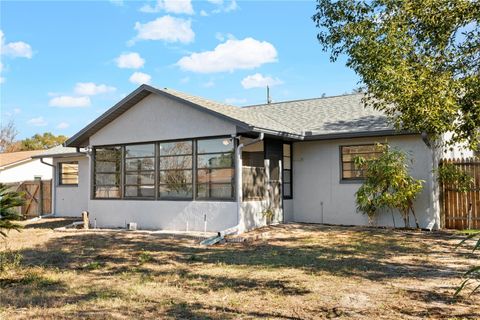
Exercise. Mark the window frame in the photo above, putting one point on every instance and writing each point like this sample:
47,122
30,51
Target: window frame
125,172
290,171
60,172
233,167
157,170
354,179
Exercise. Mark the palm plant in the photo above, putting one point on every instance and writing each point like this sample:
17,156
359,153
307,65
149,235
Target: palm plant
472,275
9,200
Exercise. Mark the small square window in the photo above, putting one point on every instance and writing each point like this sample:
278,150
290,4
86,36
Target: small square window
68,174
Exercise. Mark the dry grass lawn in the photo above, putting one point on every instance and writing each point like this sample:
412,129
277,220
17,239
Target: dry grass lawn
296,272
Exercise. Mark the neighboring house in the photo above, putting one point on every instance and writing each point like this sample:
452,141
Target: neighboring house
21,166
169,160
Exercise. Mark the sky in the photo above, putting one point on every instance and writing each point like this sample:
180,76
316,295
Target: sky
64,63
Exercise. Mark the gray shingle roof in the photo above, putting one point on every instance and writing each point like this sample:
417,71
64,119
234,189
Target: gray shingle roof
59,151
295,119
329,115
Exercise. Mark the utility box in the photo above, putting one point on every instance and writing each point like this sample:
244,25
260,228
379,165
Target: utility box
132,226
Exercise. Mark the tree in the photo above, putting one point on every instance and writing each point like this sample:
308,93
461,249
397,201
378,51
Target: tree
42,141
9,200
387,185
8,133
419,60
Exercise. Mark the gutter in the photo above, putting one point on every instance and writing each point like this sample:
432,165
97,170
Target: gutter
238,228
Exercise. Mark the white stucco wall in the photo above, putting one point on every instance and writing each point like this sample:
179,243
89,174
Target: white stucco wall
26,171
70,201
288,210
455,151
252,214
159,118
165,215
317,185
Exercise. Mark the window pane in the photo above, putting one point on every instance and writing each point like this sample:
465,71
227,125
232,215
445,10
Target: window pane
176,148
174,178
349,153
140,164
107,192
178,191
69,173
287,163
107,179
139,191
215,175
286,176
143,178
287,150
140,150
110,153
287,190
175,162
215,191
221,160
106,166
215,145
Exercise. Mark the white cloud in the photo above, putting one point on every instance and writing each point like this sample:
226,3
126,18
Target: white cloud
257,80
1,66
15,49
63,125
17,110
203,13
2,80
37,122
119,3
229,56
223,7
235,100
69,102
140,78
91,89
221,37
166,28
130,60
209,84
185,80
171,6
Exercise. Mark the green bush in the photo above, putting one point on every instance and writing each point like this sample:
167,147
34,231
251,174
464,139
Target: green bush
9,200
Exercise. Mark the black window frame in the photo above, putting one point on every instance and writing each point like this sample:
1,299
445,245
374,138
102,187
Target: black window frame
122,171
160,170
60,174
232,167
290,171
342,171
138,172
94,173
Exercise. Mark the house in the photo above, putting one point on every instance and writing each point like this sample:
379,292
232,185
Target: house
168,160
22,166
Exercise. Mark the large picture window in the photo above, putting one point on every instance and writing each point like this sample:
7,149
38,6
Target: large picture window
215,169
175,170
287,171
349,170
140,171
107,172
68,173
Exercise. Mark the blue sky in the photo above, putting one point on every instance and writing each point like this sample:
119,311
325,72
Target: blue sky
64,63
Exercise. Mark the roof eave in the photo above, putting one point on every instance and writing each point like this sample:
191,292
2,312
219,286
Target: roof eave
358,134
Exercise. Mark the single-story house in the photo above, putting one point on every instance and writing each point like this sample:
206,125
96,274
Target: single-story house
22,166
169,160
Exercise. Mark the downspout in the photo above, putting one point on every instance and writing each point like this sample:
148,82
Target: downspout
54,177
238,228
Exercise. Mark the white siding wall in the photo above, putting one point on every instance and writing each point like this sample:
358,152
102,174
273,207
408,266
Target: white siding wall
152,119
316,183
70,201
27,171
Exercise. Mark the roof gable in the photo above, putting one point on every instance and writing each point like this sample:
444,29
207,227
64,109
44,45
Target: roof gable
11,158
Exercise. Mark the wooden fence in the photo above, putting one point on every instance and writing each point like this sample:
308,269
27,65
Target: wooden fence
38,197
461,210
